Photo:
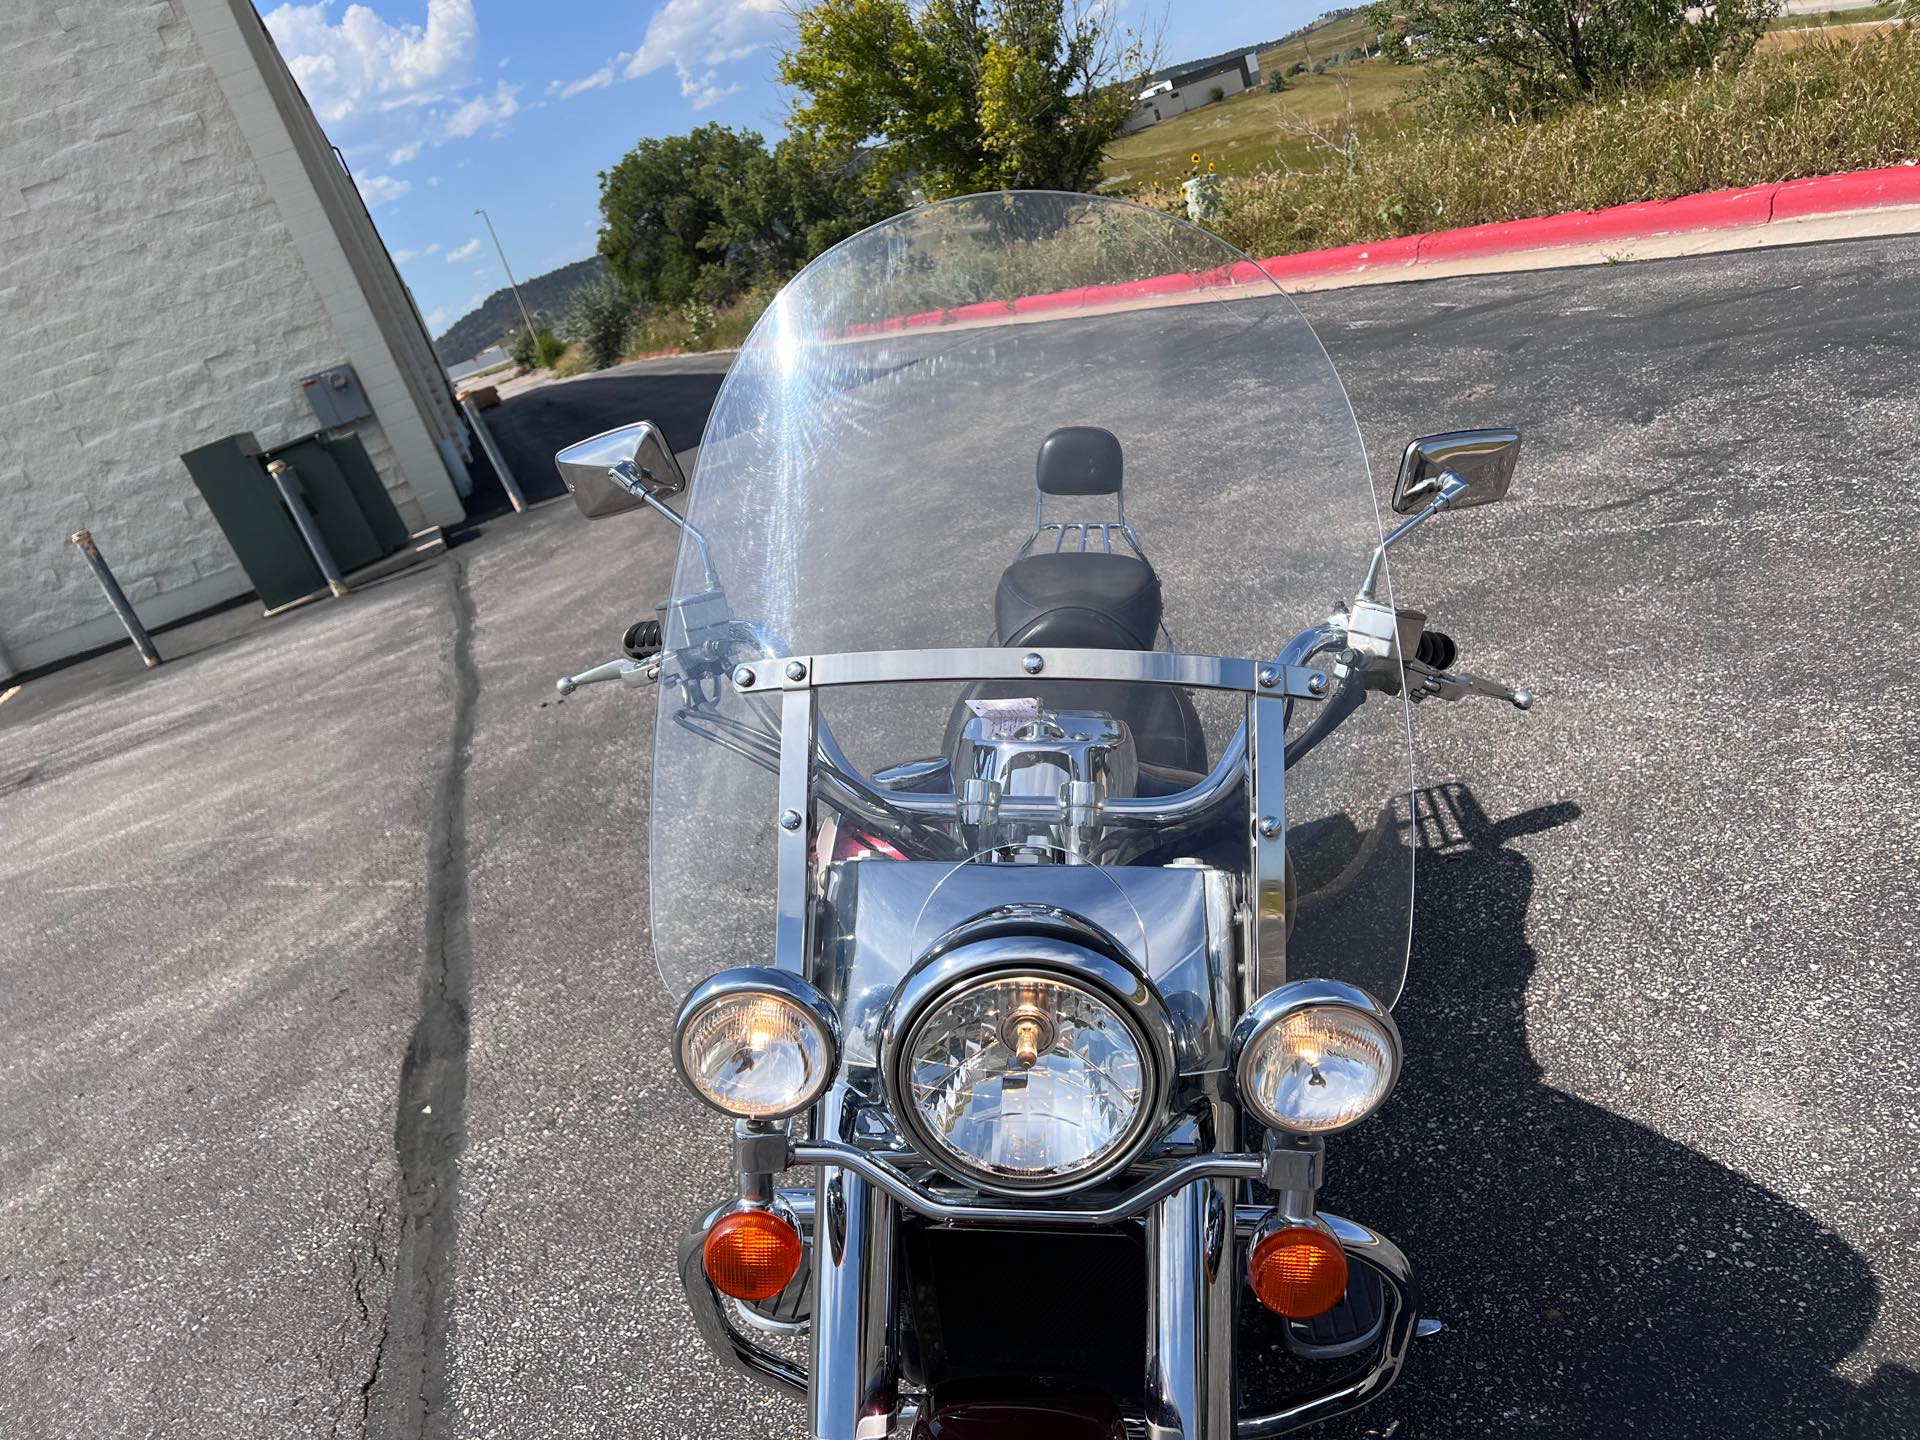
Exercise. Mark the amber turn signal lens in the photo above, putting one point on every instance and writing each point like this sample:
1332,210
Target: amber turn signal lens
1298,1271
752,1254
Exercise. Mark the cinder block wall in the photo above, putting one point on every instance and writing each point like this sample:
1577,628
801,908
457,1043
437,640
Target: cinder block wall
151,300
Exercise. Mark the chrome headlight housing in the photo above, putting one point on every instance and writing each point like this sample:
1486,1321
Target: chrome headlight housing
1315,1056
757,1043
1027,1064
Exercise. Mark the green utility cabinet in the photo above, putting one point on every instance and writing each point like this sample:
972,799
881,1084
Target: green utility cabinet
340,488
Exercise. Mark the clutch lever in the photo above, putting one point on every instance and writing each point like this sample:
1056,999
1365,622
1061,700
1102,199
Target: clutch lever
627,672
1424,682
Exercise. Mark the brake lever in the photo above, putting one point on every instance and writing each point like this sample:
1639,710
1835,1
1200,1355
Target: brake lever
1424,682
627,672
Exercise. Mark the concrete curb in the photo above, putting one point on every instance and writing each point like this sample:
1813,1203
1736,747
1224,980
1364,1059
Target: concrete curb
1818,195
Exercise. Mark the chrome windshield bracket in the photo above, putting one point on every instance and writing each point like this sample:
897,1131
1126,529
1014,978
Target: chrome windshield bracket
1268,910
795,821
1150,667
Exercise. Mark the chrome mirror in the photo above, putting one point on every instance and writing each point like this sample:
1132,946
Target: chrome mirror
1481,461
639,452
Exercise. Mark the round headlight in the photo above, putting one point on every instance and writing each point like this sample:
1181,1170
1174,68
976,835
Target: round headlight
1316,1056
757,1044
1026,1080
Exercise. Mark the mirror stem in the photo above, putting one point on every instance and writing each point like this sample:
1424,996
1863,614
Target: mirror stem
1451,487
628,480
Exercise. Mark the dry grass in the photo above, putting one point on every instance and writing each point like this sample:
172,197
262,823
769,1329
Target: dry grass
1834,18
1842,105
698,327
1842,27
1258,130
573,361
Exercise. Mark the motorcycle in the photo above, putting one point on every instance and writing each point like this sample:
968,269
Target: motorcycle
1038,939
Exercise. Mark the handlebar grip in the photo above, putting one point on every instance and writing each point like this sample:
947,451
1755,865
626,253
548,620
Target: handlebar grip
642,640
1437,649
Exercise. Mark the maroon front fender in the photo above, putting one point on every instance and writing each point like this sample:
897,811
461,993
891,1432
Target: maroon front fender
1005,1410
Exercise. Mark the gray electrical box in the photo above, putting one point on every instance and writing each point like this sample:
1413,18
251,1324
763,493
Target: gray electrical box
336,397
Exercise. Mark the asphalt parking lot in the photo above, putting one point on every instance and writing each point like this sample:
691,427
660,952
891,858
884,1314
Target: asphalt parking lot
333,1090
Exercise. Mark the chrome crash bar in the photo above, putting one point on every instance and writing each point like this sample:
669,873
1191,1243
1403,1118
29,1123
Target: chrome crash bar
1181,1322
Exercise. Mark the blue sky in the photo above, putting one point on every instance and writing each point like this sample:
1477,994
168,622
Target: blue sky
442,106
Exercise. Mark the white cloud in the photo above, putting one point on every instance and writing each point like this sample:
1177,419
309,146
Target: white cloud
482,112
464,252
364,64
378,190
704,90
409,151
401,257
706,33
693,36
441,316
598,80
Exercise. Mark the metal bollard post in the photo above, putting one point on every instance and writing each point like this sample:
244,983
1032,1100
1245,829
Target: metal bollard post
117,598
494,457
282,474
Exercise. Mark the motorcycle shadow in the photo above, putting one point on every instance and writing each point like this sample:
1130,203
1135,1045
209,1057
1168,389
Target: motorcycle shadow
1594,1277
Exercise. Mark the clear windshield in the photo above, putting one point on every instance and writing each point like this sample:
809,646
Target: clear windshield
869,481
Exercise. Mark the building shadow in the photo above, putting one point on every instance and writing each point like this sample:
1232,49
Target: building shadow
1595,1277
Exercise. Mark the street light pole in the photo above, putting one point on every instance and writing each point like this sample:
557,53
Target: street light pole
511,283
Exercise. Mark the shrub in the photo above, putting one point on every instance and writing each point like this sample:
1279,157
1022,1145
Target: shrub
599,319
1528,57
1276,82
700,318
534,350
1216,94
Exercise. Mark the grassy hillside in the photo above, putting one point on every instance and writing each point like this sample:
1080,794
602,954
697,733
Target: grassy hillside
1258,130
497,316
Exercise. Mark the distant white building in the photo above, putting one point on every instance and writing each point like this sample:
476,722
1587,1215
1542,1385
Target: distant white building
1190,89
180,246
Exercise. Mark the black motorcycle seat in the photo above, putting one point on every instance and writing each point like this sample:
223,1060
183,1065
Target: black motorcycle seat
1092,600
1078,599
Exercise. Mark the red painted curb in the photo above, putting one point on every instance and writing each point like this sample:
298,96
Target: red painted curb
1713,210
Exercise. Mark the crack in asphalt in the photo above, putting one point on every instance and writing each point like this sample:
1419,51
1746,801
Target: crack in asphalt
403,1396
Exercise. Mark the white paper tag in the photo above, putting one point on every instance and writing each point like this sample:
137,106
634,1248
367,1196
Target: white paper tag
1005,717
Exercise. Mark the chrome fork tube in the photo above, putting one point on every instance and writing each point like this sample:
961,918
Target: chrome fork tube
853,1390
1191,1288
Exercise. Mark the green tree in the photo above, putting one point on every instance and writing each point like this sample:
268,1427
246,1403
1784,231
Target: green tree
1524,57
702,217
663,221
964,95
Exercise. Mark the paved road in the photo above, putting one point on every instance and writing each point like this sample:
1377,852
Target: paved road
675,394
1656,1153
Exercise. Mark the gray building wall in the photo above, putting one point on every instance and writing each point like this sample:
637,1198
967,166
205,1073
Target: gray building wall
177,248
